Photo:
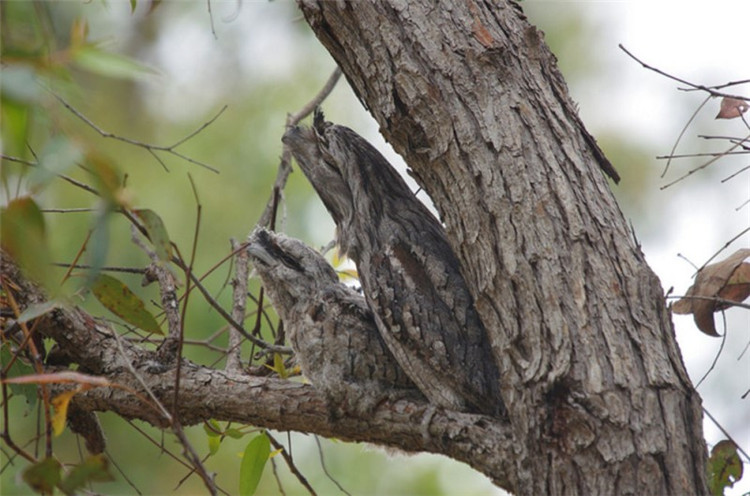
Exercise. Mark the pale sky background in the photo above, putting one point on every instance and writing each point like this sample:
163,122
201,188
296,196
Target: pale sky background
703,42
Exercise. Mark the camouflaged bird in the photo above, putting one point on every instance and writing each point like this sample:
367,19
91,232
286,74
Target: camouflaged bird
330,327
409,273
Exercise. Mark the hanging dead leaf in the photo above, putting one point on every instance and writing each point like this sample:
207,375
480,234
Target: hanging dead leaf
727,280
732,107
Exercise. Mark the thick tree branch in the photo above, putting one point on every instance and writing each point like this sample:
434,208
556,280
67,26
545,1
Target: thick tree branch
207,393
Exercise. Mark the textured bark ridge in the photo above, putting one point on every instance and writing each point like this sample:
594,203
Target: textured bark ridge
592,378
330,327
409,273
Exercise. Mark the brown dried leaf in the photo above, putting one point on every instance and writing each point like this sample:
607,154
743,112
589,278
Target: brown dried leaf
732,107
728,279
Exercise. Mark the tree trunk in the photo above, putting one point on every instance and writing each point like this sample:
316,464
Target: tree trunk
469,94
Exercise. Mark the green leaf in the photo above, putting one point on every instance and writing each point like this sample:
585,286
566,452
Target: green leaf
212,428
253,462
121,301
18,369
93,469
214,443
15,130
724,467
133,3
23,235
234,433
43,476
213,432
157,233
108,64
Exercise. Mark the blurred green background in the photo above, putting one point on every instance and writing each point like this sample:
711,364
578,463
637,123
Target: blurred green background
155,74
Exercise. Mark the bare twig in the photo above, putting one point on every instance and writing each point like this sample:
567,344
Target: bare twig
285,166
708,89
276,476
306,110
726,245
146,146
325,469
290,463
126,270
66,210
72,181
716,357
167,287
724,431
716,156
677,141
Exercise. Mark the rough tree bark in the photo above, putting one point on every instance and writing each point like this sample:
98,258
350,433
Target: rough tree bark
598,399
469,94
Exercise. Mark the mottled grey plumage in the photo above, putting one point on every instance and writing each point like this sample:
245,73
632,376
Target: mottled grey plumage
329,325
409,273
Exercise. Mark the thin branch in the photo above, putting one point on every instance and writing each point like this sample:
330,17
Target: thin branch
703,166
716,358
290,463
325,469
127,270
66,210
191,264
726,245
200,128
677,141
285,167
167,289
146,146
72,181
307,109
724,431
707,89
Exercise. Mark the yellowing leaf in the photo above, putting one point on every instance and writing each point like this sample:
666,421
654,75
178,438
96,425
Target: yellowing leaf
275,452
348,274
121,301
278,364
61,402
